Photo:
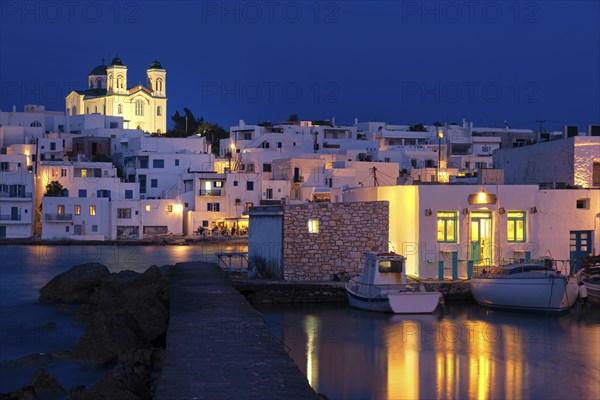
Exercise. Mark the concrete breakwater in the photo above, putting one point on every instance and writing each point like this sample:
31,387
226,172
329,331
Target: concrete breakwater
218,346
277,292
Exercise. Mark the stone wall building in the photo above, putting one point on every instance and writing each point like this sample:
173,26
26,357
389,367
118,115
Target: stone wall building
315,241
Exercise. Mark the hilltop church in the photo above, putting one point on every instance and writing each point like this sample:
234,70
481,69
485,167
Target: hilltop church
142,107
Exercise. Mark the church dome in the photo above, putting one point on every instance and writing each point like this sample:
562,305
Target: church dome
155,65
116,61
98,70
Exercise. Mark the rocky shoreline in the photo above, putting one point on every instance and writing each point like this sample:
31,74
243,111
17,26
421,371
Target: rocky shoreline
126,316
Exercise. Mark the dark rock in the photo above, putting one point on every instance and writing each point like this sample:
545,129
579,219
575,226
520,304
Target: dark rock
39,360
25,393
75,285
77,392
45,384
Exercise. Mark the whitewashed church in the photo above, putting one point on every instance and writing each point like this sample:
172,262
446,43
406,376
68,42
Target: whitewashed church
142,107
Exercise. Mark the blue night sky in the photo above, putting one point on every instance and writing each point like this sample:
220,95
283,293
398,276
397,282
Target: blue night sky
399,62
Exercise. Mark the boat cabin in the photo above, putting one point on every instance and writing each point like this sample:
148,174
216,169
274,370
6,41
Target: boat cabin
384,269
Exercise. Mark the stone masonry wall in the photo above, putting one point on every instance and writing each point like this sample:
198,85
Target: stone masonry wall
346,231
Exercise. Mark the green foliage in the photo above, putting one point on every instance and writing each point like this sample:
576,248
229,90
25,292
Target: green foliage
293,118
322,122
197,126
102,158
265,123
417,128
54,189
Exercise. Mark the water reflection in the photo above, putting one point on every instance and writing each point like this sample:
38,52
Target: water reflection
464,352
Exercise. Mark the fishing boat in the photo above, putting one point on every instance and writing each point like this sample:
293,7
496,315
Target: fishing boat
383,287
590,278
526,286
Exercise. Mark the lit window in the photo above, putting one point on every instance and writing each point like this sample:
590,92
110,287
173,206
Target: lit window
77,210
92,210
596,174
515,226
218,184
147,207
84,173
446,226
60,210
313,226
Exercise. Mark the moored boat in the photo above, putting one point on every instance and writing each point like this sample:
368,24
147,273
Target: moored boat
525,286
590,278
383,287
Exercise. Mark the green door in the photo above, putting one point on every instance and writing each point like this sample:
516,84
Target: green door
481,238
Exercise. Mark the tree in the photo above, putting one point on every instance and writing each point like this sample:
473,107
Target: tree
293,118
322,122
54,189
185,125
213,134
417,128
265,123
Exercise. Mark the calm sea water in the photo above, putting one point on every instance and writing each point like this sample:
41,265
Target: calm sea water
27,327
463,351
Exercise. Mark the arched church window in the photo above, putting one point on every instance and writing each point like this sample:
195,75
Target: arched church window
159,85
95,109
91,83
120,108
139,107
120,81
98,83
110,81
36,124
159,111
73,110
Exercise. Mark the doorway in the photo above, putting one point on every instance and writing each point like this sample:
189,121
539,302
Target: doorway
481,238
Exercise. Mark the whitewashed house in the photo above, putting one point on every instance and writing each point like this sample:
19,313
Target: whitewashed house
16,197
485,224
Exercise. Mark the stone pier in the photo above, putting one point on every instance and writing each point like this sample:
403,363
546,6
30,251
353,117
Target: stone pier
218,346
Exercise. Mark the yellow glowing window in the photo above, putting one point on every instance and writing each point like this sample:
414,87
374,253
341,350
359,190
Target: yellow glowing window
60,210
446,226
77,210
147,207
84,173
92,210
515,226
313,226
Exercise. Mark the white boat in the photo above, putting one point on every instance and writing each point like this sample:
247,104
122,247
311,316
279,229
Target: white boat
592,288
525,286
382,287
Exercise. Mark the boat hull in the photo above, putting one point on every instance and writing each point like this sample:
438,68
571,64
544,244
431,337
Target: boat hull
398,303
592,286
550,293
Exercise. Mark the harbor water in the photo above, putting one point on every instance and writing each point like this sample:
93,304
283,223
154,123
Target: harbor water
461,351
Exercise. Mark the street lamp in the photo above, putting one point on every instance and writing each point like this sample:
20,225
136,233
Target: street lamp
440,135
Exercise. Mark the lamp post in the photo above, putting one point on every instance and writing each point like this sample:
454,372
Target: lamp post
440,135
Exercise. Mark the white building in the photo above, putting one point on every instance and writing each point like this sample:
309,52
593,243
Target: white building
567,162
486,224
16,197
142,107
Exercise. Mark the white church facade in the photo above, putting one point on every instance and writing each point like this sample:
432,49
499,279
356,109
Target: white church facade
142,107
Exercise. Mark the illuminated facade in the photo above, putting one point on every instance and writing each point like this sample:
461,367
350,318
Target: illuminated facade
142,107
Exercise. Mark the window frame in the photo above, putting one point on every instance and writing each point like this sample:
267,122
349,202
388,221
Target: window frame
440,217
514,220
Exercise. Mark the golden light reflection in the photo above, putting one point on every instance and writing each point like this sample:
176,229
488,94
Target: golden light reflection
481,366
515,366
312,351
403,360
447,366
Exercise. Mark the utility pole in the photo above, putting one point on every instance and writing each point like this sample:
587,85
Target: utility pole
541,128
375,180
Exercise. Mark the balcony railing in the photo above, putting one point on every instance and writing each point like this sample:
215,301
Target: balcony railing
211,192
10,217
59,217
26,195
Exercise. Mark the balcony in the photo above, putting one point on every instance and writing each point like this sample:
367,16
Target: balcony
10,217
15,196
58,217
211,192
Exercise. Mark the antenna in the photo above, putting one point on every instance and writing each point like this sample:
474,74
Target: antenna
375,180
541,122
